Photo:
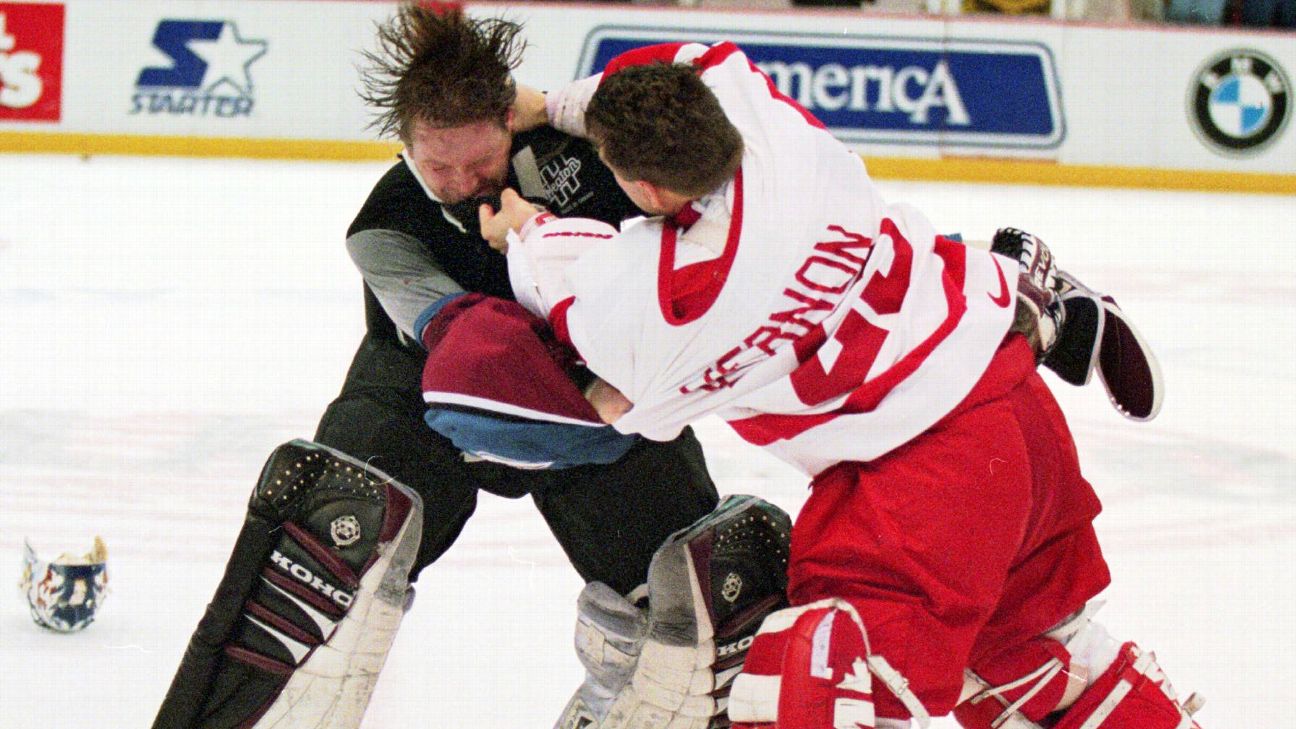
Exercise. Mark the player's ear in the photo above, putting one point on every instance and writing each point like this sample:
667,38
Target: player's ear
651,193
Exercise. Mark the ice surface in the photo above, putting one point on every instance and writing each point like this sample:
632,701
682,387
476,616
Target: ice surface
165,323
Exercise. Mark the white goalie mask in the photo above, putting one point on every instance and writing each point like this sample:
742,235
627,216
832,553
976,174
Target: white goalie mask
65,594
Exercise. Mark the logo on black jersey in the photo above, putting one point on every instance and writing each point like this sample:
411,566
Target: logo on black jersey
1239,102
560,179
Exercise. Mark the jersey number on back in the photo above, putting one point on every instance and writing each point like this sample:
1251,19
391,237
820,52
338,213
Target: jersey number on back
832,367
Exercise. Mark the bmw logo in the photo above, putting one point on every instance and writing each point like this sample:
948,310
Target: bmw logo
1239,102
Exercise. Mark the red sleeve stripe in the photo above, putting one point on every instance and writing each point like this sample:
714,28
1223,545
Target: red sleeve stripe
715,55
558,320
535,221
811,119
660,53
577,234
720,52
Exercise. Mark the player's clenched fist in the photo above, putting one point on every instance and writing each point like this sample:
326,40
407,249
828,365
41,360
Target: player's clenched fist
513,213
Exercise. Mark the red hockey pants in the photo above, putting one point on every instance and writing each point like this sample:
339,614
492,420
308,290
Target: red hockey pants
973,537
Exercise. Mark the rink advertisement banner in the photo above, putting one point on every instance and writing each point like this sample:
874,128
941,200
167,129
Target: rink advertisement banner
262,78
206,71
887,90
31,62
919,97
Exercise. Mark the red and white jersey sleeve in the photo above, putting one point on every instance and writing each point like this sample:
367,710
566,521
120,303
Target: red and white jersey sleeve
793,301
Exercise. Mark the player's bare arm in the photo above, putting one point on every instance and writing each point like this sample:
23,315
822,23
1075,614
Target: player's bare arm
608,401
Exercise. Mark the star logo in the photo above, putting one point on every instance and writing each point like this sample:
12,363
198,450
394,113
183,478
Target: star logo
228,59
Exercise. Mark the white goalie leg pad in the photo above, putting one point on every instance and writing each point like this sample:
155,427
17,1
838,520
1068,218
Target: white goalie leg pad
332,687
610,631
709,587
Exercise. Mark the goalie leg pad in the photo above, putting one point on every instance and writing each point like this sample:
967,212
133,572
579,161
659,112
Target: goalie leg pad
1073,677
1132,694
810,667
310,602
709,587
610,631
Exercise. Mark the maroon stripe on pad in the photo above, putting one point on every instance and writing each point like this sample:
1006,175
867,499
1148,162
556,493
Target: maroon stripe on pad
281,624
256,660
399,506
298,590
323,555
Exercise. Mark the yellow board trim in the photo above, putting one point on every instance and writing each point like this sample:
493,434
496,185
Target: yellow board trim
130,144
949,169
1029,172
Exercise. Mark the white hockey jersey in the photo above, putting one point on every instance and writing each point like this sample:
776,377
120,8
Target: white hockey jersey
819,321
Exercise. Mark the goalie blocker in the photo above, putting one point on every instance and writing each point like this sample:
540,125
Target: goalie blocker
305,614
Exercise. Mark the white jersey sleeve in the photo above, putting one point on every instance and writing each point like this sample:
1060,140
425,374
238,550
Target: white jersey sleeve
540,252
566,106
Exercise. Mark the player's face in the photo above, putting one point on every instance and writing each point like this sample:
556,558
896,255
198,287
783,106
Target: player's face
461,162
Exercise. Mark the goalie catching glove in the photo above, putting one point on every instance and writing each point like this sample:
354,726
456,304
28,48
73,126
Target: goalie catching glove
665,656
310,602
1040,314
1076,330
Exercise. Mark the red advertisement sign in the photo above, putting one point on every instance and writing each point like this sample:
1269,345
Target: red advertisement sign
31,62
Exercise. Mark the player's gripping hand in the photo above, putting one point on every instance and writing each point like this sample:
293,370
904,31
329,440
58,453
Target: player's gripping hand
1040,314
513,213
528,110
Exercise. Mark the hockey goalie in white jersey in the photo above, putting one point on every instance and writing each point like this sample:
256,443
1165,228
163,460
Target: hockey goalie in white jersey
946,554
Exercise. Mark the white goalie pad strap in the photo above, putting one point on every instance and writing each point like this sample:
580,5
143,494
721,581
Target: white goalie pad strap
609,632
538,258
674,677
755,698
331,689
633,710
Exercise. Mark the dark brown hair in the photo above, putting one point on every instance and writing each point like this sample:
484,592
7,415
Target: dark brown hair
662,124
437,65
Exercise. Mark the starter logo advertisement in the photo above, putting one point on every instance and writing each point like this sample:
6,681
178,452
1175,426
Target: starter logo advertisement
1239,102
887,90
208,73
31,62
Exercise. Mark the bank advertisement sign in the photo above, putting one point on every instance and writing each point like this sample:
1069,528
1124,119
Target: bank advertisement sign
889,90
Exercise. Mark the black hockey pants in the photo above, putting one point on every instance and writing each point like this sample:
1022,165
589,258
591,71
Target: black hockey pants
608,519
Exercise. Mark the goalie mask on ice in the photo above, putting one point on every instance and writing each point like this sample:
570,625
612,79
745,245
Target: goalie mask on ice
65,594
